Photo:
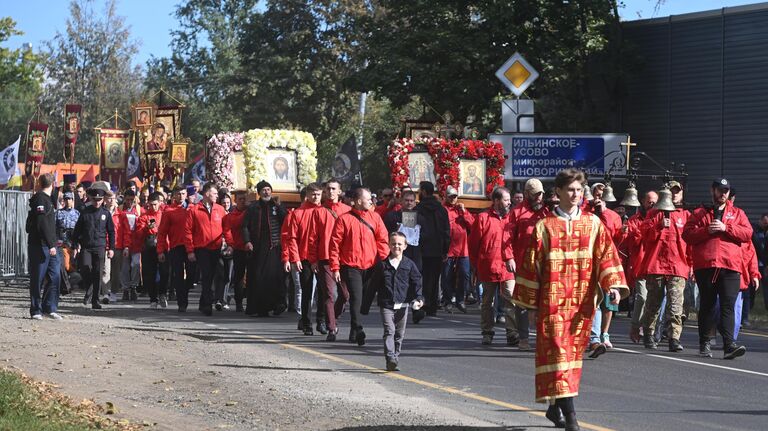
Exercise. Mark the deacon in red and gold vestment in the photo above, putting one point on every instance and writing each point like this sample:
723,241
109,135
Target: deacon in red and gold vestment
569,266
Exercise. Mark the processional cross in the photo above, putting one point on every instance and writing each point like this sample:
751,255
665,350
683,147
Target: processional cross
629,144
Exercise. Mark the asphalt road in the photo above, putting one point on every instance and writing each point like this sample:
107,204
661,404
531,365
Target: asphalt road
629,388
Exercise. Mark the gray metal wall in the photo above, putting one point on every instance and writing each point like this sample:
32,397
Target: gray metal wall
700,97
14,207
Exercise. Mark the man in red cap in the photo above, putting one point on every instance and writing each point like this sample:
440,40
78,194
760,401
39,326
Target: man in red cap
456,273
359,240
517,238
716,234
665,268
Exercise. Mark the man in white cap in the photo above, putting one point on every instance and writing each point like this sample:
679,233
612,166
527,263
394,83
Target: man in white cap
517,237
456,274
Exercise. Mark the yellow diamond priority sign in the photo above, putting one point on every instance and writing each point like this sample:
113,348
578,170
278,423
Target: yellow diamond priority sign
517,74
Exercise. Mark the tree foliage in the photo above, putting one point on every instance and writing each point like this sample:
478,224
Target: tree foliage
20,77
90,64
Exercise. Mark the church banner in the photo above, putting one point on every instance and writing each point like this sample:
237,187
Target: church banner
114,144
72,116
37,141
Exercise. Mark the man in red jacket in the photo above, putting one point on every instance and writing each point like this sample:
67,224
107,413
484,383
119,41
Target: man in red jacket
665,267
203,237
517,238
456,271
358,242
485,243
633,241
300,228
146,236
332,295
715,235
170,247
233,235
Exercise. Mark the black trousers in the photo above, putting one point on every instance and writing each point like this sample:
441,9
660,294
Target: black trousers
239,261
306,276
222,278
150,266
355,280
90,269
182,274
714,284
206,263
433,266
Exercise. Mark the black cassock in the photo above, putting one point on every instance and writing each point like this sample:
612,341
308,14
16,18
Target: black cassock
265,276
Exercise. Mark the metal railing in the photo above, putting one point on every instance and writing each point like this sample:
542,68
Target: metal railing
14,207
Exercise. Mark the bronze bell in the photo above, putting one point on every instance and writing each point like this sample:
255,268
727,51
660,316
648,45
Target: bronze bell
608,195
588,193
665,200
630,197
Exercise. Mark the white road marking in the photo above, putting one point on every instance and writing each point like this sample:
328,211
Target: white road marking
692,362
238,332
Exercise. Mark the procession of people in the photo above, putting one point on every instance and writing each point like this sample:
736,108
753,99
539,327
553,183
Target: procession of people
553,259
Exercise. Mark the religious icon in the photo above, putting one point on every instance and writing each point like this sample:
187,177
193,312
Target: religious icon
37,143
421,168
281,169
472,178
240,181
179,153
72,125
144,116
114,154
158,139
341,166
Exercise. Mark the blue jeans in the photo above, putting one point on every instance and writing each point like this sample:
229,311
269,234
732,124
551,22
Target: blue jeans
597,323
42,265
455,281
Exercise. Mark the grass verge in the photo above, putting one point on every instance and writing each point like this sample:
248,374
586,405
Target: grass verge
29,405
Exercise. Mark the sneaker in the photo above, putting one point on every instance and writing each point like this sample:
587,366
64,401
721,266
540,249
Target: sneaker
470,300
163,302
96,306
487,339
524,345
501,319
321,328
225,306
649,342
332,335
461,307
360,338
153,305
105,300
112,297
55,316
392,366
733,351
308,330
596,349
674,345
37,317
606,339
513,341
218,305
705,350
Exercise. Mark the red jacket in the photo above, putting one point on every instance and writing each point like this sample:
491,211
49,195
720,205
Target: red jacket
612,222
382,209
172,230
519,229
354,245
666,253
142,227
127,231
633,244
461,223
485,243
233,229
203,228
118,235
284,228
750,269
300,227
324,220
720,250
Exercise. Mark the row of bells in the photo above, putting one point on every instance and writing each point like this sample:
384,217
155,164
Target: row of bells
631,199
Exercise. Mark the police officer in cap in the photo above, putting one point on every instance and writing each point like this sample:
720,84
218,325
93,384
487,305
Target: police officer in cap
93,233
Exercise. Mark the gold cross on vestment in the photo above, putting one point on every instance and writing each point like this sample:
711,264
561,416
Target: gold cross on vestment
629,144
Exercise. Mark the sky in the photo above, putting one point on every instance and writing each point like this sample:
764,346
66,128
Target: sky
151,21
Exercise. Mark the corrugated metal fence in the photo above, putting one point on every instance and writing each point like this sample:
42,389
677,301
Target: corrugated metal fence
14,207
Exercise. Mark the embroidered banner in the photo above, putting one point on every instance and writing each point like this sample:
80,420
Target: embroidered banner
37,141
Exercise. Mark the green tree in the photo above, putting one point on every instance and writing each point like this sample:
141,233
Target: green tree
90,64
20,78
447,53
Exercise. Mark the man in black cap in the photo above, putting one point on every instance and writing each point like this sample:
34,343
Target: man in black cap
93,238
43,257
261,234
715,235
